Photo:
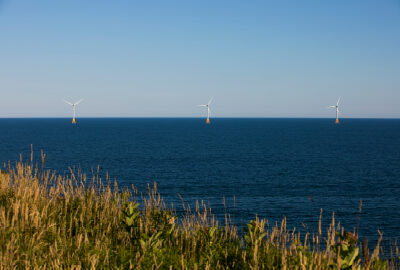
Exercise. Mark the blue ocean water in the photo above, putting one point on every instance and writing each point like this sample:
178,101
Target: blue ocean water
269,167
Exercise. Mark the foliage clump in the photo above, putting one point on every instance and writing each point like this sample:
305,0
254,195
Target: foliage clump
49,221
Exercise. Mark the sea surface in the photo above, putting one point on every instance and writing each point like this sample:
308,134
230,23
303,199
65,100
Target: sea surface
243,167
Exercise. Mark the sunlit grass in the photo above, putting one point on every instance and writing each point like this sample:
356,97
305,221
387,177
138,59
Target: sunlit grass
48,221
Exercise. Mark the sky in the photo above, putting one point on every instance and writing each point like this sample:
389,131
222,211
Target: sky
162,58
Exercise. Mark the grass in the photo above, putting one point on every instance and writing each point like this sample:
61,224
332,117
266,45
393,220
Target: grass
48,221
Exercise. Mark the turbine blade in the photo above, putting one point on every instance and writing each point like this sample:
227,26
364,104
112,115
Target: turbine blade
69,103
332,107
210,101
337,104
202,105
76,103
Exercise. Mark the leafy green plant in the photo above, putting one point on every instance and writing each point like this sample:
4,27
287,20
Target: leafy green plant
131,213
151,243
347,252
254,233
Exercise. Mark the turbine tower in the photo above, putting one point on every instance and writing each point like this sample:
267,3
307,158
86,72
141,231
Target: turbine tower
208,110
337,111
73,108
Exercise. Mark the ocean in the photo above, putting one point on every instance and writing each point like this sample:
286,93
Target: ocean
241,167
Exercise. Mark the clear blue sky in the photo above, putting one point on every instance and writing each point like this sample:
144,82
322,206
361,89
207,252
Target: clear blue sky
162,58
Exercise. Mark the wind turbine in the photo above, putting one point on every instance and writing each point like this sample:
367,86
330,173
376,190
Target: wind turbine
337,111
208,110
73,108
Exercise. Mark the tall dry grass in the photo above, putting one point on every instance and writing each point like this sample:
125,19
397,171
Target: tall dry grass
48,221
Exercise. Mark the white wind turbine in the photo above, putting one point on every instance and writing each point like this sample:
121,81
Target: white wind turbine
73,108
208,110
337,110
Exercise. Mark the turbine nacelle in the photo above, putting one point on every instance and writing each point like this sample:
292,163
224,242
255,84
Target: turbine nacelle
73,104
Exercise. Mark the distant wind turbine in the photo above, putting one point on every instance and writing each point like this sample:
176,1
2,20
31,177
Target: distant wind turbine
337,110
73,108
208,110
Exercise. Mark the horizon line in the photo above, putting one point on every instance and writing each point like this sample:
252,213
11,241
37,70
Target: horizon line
189,117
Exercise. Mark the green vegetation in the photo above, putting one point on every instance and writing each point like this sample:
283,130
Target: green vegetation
51,222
